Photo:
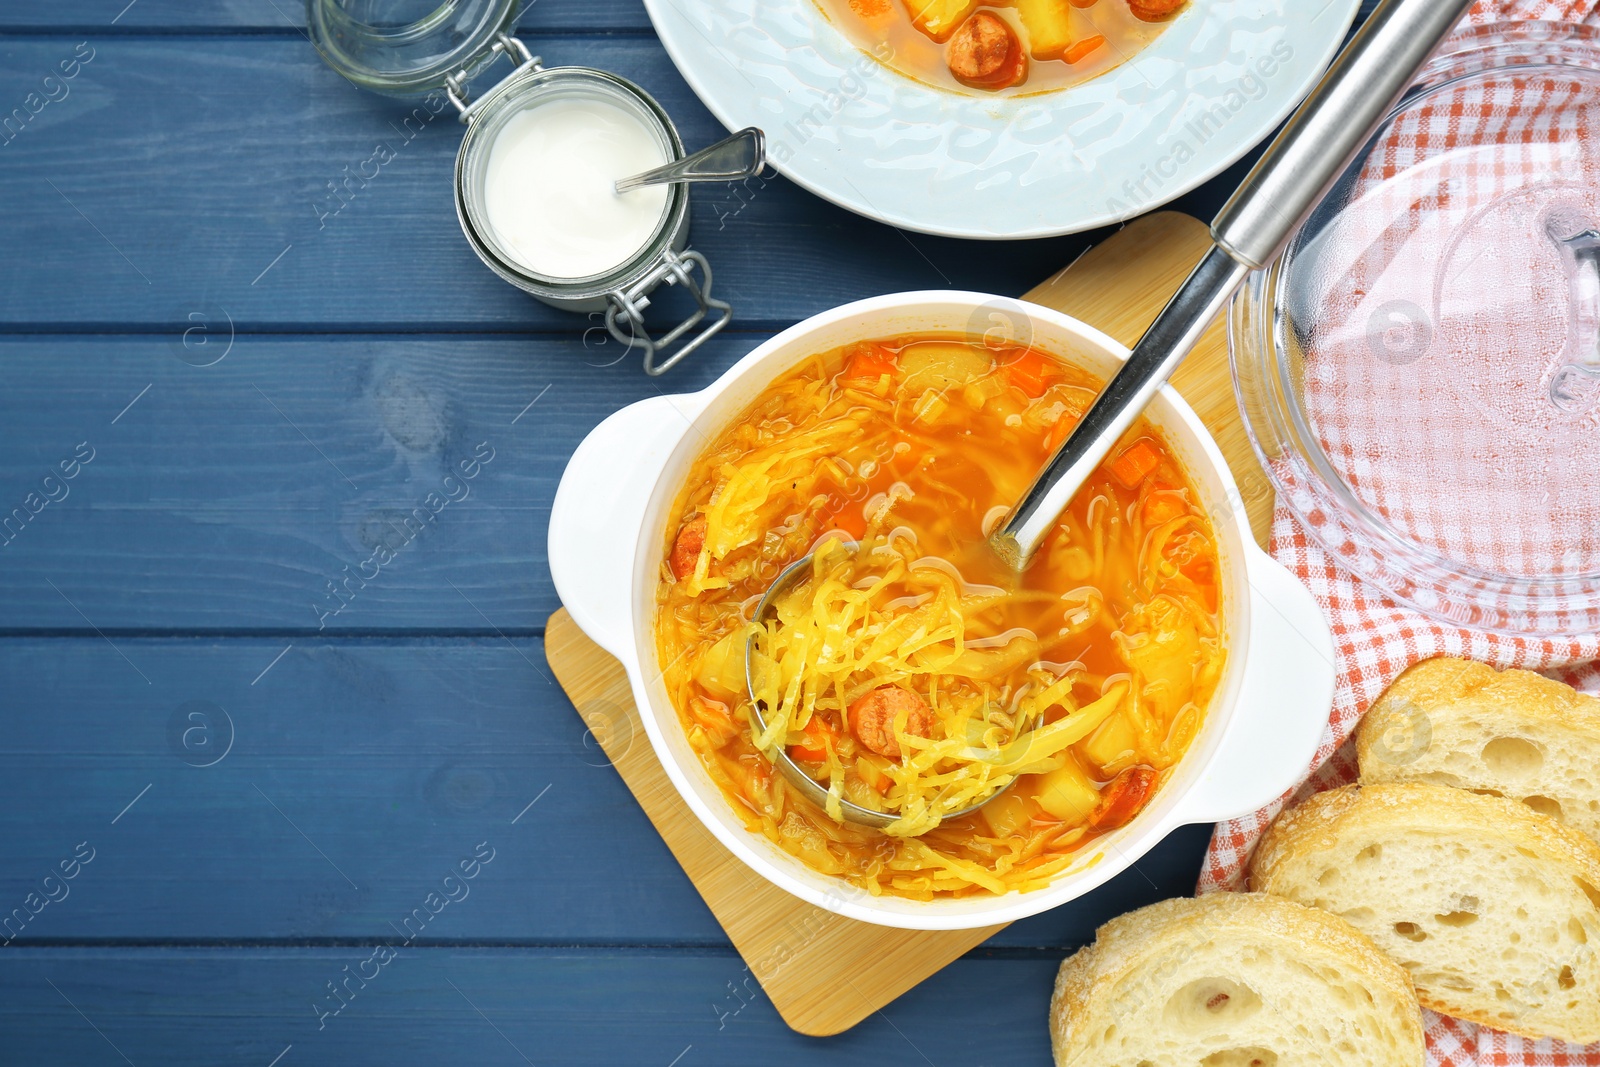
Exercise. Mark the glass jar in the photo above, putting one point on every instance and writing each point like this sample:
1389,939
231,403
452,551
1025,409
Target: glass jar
409,48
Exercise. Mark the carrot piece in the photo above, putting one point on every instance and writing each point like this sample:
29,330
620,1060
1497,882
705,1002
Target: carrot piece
1083,48
1136,461
819,735
848,520
1030,371
1202,572
1163,506
869,362
1124,798
1058,434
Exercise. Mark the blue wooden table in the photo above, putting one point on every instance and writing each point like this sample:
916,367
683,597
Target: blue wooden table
250,812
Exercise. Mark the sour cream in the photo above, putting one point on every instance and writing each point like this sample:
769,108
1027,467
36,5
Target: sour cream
548,187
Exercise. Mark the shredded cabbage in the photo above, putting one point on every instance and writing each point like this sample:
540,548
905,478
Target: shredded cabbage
883,616
1101,658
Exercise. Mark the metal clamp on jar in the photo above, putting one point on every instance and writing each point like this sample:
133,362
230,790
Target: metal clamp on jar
534,176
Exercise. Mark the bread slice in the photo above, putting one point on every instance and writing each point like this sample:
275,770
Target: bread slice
1510,733
1492,907
1233,980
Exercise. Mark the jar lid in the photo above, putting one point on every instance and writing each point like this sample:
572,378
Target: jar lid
1421,369
405,47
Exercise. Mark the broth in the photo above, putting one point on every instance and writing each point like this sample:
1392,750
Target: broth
914,447
1059,43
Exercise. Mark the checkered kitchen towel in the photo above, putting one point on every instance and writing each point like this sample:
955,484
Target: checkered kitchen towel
1375,638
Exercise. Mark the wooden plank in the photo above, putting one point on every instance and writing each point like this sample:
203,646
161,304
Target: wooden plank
394,758
183,1007
360,774
229,496
179,214
289,16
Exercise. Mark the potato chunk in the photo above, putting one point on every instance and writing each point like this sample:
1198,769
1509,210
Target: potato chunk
942,365
1068,794
1008,814
1160,642
1113,746
1049,26
938,19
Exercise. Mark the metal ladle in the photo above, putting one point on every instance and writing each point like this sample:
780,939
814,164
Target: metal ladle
731,159
1316,145
812,789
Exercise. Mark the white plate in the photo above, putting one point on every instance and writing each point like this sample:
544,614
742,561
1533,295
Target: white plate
1215,83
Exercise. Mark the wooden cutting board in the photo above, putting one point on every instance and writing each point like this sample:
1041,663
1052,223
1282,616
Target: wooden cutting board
822,972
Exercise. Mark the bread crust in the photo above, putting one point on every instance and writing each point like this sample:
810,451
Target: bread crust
1123,945
1435,686
1323,821
1318,824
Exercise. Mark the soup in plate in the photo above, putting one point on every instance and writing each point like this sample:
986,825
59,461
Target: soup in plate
992,46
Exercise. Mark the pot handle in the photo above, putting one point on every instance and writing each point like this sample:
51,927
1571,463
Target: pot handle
599,510
1282,710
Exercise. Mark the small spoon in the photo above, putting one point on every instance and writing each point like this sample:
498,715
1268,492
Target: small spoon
729,160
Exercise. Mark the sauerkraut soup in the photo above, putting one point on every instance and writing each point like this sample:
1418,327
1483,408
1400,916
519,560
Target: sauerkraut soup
910,671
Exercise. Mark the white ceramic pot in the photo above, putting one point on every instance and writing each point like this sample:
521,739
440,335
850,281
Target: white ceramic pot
608,533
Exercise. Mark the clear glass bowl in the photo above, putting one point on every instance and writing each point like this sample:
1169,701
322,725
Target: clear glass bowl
1420,371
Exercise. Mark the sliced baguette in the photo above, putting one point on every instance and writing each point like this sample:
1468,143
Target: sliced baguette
1492,907
1233,980
1511,733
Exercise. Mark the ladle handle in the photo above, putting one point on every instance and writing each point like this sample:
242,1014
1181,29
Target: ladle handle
1176,330
1294,174
1330,126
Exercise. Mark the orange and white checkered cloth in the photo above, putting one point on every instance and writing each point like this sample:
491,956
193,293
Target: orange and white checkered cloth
1375,638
